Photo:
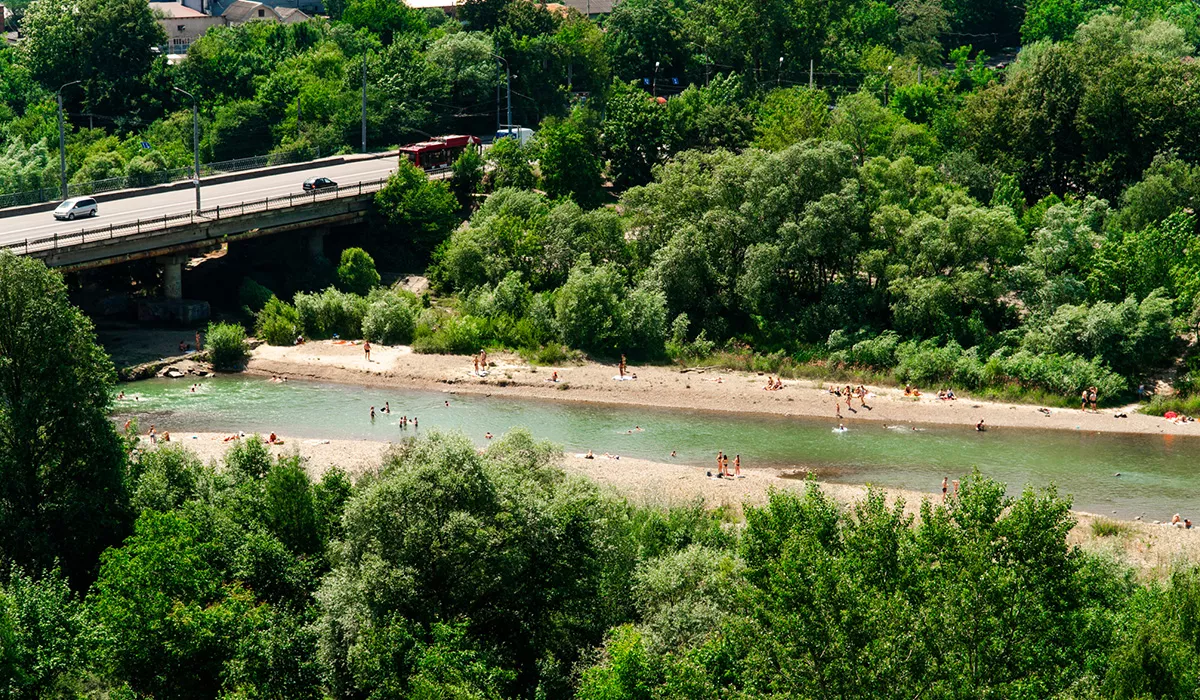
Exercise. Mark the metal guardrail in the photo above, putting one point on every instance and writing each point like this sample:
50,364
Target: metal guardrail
169,221
159,177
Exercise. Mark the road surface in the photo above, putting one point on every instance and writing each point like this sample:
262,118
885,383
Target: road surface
38,224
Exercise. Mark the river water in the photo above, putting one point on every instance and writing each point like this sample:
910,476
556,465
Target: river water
1159,474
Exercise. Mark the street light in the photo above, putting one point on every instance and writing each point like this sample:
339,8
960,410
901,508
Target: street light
654,82
364,103
779,72
195,141
508,82
62,145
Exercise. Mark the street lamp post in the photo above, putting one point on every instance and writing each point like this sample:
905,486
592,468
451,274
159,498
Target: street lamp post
62,143
195,142
364,103
654,82
779,72
508,82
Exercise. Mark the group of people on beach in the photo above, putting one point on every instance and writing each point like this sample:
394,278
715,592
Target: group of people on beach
481,362
723,470
860,392
1087,399
773,384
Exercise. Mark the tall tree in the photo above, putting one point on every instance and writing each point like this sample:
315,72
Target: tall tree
63,490
107,44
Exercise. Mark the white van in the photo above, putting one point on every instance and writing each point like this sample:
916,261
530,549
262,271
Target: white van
76,208
522,135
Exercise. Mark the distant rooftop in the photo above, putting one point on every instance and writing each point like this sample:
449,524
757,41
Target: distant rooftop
175,10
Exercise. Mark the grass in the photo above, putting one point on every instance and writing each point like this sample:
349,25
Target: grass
1186,405
817,369
1103,527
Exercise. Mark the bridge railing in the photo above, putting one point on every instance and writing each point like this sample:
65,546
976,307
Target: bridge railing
169,221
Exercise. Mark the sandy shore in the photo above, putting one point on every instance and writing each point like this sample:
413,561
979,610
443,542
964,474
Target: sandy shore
671,387
1152,549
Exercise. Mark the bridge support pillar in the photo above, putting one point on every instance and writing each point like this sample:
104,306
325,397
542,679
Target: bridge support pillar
316,242
172,276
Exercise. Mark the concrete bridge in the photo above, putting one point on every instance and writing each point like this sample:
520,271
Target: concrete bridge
171,238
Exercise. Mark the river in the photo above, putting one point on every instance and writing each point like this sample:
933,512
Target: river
1159,474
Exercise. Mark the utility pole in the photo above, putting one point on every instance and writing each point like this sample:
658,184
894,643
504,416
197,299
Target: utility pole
364,103
508,82
195,142
62,144
298,115
810,74
779,72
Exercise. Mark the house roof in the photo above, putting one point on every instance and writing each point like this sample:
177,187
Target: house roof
175,10
595,7
291,15
447,5
246,10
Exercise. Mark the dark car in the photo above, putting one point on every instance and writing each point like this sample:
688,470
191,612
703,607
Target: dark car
318,183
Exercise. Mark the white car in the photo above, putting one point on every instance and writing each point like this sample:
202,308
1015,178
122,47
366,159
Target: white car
75,208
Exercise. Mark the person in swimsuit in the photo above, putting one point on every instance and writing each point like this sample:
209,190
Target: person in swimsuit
1092,398
945,485
621,365
1083,397
367,349
737,465
719,456
372,413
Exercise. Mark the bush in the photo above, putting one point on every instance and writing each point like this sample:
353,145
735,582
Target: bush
391,319
454,335
331,313
226,346
356,274
253,295
278,323
1103,527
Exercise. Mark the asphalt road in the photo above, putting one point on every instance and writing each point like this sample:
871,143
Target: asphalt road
18,228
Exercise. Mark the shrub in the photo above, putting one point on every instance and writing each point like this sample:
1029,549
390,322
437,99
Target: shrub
226,346
454,335
253,295
589,308
878,352
331,313
1103,527
277,323
356,272
391,319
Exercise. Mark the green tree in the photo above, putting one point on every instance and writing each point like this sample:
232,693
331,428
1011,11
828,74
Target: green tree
383,19
569,157
635,135
791,115
62,469
111,52
420,209
167,621
467,178
44,641
509,165
356,272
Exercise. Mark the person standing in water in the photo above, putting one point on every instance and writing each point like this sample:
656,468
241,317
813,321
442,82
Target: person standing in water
372,413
